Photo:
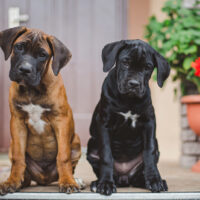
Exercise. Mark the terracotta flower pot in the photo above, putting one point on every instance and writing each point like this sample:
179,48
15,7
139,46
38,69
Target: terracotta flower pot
193,111
193,115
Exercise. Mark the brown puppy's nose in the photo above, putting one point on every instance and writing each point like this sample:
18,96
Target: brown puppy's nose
25,68
133,83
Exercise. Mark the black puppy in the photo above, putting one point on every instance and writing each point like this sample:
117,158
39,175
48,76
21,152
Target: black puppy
123,149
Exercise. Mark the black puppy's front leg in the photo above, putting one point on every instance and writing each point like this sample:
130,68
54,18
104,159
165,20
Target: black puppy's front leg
105,183
153,180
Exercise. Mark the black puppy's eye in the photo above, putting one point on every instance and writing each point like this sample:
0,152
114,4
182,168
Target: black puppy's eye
126,65
148,67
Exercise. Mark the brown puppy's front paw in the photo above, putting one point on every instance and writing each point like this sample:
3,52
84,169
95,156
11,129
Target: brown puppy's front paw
68,188
9,186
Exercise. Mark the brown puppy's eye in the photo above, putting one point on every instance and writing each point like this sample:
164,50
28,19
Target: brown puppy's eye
19,47
42,54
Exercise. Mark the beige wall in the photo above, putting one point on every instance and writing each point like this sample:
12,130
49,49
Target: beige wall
138,13
165,104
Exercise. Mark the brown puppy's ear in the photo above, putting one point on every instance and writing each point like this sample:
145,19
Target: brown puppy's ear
8,37
61,54
109,54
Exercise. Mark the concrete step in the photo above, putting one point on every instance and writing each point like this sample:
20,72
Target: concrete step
94,196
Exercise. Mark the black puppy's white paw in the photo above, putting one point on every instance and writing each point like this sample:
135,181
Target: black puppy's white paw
81,183
105,188
156,185
93,186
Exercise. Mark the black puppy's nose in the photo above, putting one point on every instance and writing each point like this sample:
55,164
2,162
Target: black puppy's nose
25,68
133,83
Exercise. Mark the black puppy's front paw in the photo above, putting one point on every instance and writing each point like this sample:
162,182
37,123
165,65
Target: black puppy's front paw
105,188
156,185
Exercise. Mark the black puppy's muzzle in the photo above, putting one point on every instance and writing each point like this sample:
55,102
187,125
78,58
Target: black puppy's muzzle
133,84
134,88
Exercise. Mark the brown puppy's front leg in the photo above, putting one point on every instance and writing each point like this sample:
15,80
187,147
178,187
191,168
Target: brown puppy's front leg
64,132
18,148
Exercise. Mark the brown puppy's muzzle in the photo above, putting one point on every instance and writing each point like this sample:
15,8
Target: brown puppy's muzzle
25,69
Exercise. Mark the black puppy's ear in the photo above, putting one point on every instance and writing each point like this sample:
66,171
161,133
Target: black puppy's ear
61,54
8,37
163,68
109,54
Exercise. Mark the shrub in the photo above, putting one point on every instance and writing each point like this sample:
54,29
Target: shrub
177,38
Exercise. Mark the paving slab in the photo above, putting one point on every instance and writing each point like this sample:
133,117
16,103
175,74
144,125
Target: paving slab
182,183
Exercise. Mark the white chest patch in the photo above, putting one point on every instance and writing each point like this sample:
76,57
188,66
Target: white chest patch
35,113
128,115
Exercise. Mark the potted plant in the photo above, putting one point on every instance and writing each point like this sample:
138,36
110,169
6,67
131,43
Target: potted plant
193,102
193,108
177,38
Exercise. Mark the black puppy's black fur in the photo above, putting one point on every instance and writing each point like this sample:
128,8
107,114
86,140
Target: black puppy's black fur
123,149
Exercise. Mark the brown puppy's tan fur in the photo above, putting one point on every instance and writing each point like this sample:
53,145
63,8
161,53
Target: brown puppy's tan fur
57,149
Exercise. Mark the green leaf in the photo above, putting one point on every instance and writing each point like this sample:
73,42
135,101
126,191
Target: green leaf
155,74
182,48
184,11
197,41
182,89
175,92
188,21
167,22
190,74
182,71
187,63
172,57
191,49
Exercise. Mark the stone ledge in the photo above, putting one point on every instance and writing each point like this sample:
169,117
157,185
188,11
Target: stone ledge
92,196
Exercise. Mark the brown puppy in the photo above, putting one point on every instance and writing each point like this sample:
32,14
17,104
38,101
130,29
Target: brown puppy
44,147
